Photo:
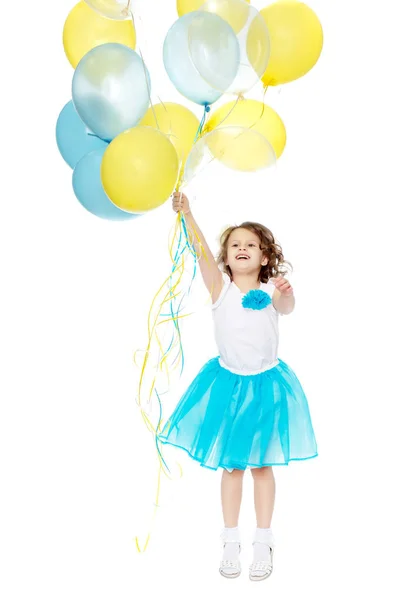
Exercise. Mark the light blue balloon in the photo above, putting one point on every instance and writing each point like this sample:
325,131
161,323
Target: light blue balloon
86,182
111,89
74,139
201,56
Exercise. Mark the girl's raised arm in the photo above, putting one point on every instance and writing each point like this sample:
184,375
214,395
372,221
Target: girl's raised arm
211,274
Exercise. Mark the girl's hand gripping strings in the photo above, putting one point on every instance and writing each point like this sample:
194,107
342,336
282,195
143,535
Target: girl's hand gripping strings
180,203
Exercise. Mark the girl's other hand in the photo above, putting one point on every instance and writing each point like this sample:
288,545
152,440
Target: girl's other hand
282,285
180,203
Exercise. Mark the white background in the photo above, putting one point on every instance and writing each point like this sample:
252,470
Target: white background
77,464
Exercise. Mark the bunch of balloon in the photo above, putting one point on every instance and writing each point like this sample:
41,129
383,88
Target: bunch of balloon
98,132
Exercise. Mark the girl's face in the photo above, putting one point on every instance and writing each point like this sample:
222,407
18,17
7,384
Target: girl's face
243,252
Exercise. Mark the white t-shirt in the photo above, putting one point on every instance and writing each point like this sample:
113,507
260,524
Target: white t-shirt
247,339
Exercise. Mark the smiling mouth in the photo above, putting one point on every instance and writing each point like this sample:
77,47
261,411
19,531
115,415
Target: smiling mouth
242,257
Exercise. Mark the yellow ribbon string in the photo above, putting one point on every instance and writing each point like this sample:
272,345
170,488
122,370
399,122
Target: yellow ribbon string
152,324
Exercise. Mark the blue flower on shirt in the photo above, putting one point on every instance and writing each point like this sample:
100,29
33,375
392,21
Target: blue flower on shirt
256,300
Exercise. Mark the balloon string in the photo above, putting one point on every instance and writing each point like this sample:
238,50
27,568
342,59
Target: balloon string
262,110
159,481
175,266
176,315
196,137
158,486
151,329
202,123
170,133
183,247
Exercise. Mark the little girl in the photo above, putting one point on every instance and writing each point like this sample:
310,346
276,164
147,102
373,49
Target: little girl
246,407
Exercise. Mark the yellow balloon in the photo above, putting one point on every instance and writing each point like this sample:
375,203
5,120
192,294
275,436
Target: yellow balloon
232,11
296,41
139,169
255,116
85,29
177,122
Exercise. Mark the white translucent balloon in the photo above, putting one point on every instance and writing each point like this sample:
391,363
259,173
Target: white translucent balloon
253,38
111,89
238,148
201,56
119,10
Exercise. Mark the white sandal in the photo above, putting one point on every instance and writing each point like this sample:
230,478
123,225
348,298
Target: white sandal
230,568
261,569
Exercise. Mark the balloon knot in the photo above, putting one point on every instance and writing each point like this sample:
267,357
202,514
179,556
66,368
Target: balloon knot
207,108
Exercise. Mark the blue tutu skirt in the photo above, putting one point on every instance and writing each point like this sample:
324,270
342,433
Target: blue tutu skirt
238,421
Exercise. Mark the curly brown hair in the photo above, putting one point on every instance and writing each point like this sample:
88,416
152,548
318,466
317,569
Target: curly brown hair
271,249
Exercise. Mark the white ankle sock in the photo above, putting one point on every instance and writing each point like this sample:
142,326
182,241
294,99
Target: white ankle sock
231,550
263,541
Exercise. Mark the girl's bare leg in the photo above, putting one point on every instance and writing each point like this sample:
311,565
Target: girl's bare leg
231,496
264,495
264,500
